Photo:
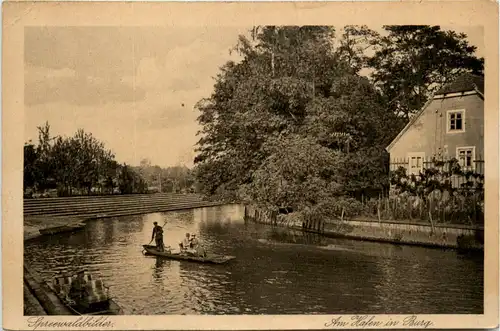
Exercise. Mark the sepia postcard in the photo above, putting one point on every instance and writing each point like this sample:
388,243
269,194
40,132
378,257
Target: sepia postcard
250,165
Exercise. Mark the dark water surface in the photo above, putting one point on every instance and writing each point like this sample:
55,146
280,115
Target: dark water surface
277,271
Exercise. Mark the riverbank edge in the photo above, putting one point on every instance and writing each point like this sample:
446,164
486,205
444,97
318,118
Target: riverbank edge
443,236
33,224
38,293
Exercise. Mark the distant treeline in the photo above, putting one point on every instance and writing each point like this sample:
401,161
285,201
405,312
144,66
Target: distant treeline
177,179
81,165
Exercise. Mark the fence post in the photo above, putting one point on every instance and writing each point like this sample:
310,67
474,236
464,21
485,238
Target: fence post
378,208
387,206
432,223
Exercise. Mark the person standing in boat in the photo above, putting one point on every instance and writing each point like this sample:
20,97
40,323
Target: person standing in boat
158,236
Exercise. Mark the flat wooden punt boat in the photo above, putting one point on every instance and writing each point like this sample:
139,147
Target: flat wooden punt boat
108,307
210,258
62,229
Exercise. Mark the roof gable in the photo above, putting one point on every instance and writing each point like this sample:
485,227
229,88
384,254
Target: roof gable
463,83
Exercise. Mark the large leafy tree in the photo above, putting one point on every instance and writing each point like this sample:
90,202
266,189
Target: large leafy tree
355,121
413,61
64,153
287,119
91,159
126,179
44,167
108,174
299,173
264,95
130,181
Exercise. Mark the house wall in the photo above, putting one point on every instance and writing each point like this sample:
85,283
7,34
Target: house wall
428,133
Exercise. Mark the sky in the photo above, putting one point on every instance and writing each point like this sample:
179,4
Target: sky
134,88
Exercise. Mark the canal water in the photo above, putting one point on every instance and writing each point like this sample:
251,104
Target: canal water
277,270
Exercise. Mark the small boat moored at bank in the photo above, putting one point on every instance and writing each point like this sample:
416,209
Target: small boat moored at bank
84,295
210,258
62,229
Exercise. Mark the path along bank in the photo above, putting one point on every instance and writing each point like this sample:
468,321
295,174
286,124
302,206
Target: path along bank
455,236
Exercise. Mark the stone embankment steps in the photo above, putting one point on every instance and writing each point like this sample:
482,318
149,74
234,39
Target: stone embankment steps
129,210
97,198
99,206
78,201
107,206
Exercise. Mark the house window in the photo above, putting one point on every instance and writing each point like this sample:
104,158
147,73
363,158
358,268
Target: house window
415,163
456,121
466,157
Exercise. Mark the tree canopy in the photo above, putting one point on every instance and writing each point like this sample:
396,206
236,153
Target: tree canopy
413,61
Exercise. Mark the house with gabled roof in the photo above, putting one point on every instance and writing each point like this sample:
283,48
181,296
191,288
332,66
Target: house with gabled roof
449,125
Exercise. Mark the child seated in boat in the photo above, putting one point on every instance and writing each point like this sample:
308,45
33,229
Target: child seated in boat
194,241
195,247
186,243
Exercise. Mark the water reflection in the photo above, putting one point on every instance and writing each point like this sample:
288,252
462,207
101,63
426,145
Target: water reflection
158,269
277,271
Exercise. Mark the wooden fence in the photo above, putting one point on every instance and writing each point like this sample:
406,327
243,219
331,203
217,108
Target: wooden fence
439,208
